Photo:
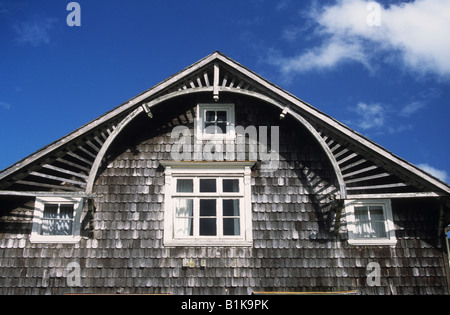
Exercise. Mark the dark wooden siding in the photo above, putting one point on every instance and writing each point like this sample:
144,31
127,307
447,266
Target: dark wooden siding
298,246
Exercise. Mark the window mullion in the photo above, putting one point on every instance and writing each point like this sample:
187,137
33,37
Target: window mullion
219,217
196,217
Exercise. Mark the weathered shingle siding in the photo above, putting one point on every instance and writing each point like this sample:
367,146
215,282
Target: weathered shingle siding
296,247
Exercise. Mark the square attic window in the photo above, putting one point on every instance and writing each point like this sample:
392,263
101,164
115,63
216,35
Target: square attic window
215,122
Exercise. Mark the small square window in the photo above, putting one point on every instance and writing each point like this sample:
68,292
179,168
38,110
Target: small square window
215,122
57,220
370,222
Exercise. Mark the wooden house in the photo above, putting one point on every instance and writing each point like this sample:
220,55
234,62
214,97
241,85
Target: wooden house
215,182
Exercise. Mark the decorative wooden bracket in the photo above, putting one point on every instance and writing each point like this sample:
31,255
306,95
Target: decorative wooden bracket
147,110
285,112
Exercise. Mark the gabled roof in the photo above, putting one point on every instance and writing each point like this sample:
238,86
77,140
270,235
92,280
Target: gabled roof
364,168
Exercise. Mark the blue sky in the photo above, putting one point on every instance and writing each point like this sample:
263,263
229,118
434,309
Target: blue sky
382,70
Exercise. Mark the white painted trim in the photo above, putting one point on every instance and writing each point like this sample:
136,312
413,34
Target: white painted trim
390,240
196,170
37,238
200,121
397,195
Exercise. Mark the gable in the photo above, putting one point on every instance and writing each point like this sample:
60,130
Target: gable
362,168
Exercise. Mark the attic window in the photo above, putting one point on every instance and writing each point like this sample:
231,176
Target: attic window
215,122
57,220
370,222
208,204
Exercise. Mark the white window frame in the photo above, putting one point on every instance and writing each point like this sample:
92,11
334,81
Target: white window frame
200,122
353,239
36,233
202,170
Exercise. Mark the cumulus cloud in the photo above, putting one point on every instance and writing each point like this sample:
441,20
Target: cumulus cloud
415,32
440,174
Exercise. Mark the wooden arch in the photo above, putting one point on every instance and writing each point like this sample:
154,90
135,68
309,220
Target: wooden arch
147,106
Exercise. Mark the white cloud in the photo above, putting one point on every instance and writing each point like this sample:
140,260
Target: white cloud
282,5
34,32
416,32
369,116
440,174
326,56
5,105
412,108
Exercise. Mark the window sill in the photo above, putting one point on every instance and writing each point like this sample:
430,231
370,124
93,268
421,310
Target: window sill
208,243
39,239
373,242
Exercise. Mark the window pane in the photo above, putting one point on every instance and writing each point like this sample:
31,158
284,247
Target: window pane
49,227
208,208
184,227
222,116
210,128
221,128
66,212
184,221
208,185
231,208
64,227
231,185
210,116
184,208
378,222
208,227
50,211
231,227
57,223
185,185
370,222
361,214
362,222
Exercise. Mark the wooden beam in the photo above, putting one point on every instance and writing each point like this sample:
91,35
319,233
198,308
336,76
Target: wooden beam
87,152
205,76
378,187
351,156
93,146
357,180
343,169
35,184
54,168
225,80
48,194
199,82
364,170
397,195
59,179
61,160
337,155
80,158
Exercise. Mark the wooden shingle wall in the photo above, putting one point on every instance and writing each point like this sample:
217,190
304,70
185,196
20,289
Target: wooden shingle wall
299,245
